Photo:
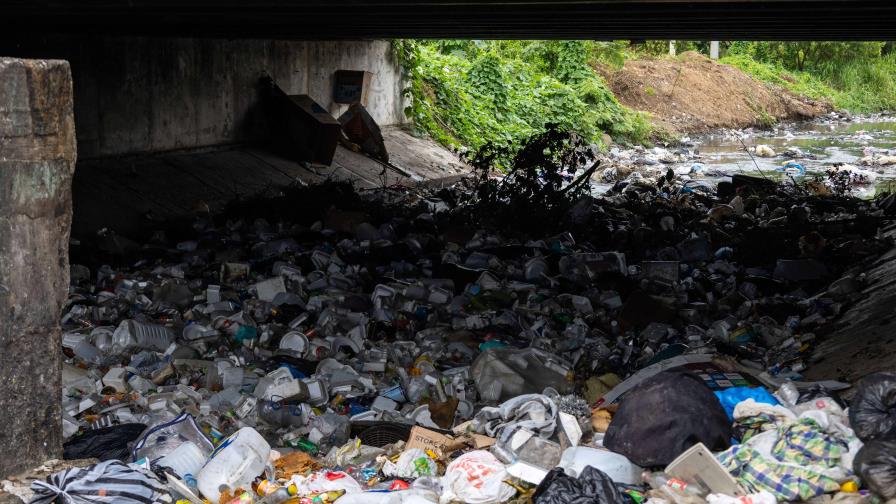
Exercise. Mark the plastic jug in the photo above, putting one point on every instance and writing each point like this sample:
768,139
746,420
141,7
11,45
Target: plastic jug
131,334
185,459
235,463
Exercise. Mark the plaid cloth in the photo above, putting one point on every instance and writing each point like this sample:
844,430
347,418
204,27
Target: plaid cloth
805,443
788,474
788,483
747,427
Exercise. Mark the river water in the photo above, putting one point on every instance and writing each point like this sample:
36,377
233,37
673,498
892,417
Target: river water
823,142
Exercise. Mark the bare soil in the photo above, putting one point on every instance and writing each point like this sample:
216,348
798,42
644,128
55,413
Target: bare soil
693,94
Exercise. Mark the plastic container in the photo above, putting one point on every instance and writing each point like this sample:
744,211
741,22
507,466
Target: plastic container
280,384
284,415
131,334
235,463
198,331
116,378
232,377
294,343
186,459
620,469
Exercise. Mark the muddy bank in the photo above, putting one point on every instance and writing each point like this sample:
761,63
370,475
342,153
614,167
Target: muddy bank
694,94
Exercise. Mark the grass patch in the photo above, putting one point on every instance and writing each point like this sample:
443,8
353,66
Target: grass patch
860,86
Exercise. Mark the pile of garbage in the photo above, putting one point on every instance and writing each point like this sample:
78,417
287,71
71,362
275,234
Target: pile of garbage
398,345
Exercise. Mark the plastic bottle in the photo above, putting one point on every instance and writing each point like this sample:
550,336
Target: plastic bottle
283,415
131,334
235,463
659,480
276,495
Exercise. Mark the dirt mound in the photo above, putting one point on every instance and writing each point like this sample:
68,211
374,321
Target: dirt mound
693,94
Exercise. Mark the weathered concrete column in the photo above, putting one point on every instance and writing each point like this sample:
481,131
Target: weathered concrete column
714,49
37,161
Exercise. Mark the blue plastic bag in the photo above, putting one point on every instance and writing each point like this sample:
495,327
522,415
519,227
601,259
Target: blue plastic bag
731,396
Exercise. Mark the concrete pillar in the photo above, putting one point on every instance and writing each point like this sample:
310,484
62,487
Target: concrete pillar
671,48
714,49
37,161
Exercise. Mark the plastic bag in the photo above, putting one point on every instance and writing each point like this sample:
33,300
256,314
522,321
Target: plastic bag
503,373
412,463
110,481
108,443
403,497
160,440
872,412
820,392
591,487
476,477
876,465
761,497
731,396
324,481
664,416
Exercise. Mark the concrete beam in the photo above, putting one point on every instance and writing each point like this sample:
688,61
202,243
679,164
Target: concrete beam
37,161
474,19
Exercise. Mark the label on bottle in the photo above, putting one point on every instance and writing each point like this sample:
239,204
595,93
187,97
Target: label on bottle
677,484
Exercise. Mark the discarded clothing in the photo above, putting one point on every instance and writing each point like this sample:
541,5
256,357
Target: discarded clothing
111,481
788,483
796,461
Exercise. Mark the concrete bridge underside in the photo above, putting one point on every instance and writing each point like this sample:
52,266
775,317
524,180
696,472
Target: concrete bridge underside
479,19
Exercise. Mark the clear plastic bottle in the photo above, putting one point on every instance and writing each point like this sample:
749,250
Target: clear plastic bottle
283,415
131,335
658,480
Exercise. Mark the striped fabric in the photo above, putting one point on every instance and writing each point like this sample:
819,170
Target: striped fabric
110,482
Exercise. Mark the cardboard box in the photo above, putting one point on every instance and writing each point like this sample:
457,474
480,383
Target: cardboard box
429,439
351,86
298,128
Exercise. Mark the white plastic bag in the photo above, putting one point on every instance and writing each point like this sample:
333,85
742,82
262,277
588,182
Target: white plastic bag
399,497
762,497
412,463
476,477
324,481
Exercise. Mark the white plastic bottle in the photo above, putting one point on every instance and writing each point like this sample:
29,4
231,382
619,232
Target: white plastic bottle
234,463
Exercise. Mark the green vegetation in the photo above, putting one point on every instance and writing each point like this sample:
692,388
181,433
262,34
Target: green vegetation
859,77
470,94
467,94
